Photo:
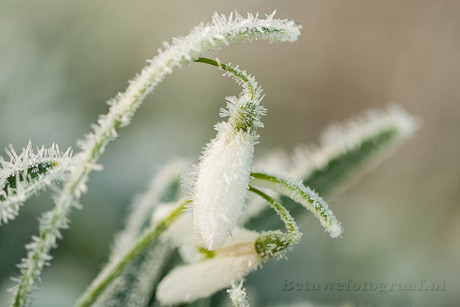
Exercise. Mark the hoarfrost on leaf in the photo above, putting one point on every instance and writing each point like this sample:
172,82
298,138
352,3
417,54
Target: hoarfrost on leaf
28,173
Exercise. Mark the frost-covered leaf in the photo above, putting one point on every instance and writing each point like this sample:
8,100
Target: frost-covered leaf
356,145
135,286
28,173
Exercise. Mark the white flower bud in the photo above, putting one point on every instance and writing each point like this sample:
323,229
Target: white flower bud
221,186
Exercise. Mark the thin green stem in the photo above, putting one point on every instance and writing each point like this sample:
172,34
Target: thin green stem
273,244
244,112
113,271
236,72
286,217
302,195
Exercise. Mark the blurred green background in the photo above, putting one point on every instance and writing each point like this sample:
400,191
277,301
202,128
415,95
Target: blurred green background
61,60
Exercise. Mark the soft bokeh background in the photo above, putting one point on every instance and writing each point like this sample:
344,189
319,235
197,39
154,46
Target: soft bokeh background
61,60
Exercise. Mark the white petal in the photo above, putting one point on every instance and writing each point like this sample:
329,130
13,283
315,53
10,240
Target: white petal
231,263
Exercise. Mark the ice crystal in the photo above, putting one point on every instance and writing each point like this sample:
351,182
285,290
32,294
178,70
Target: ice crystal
238,295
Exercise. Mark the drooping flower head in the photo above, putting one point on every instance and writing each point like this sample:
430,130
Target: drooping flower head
220,188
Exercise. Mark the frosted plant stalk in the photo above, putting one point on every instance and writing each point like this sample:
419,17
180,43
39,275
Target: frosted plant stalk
305,196
146,270
114,269
181,53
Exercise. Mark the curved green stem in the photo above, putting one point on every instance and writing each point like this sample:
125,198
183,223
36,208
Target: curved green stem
112,271
245,78
303,195
244,113
274,243
289,222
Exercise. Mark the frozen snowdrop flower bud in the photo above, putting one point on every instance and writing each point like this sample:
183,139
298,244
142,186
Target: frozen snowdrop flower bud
27,173
220,189
221,185
235,259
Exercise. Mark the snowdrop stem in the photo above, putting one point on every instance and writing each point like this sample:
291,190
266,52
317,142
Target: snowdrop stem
289,222
274,243
110,273
236,72
244,112
295,190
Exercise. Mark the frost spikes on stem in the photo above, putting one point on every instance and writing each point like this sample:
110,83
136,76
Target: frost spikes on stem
305,196
238,295
274,244
117,266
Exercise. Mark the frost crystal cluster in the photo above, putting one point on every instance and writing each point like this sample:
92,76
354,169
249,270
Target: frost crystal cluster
183,245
